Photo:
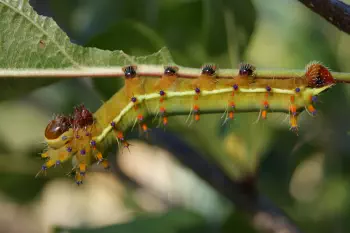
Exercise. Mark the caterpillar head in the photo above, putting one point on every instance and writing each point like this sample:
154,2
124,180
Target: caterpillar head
58,131
318,79
318,76
72,137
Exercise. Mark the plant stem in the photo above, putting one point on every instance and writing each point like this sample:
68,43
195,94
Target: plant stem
154,71
263,214
334,11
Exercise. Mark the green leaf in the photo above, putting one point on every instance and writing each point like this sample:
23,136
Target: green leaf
136,38
13,88
20,187
171,222
28,40
32,41
137,34
244,14
239,222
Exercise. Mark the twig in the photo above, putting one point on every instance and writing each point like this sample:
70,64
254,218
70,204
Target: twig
264,215
334,11
154,71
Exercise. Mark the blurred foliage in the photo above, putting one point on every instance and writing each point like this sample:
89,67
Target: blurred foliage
177,220
307,176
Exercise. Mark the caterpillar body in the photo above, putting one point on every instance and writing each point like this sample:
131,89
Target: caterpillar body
84,136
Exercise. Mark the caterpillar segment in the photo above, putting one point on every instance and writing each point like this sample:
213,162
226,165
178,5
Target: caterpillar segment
246,74
172,90
168,79
207,79
166,82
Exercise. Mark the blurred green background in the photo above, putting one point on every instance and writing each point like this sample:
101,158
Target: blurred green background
307,175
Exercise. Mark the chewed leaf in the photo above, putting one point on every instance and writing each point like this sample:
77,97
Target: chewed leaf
37,42
29,41
162,57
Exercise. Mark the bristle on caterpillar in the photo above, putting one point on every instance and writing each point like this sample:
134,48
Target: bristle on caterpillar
130,71
209,70
85,136
81,118
318,75
170,70
246,69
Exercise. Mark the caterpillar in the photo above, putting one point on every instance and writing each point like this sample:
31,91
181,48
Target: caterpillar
164,91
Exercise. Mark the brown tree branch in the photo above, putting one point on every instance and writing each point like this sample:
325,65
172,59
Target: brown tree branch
264,215
334,11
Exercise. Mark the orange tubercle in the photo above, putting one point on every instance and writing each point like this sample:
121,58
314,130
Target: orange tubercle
165,120
196,111
162,110
293,109
266,104
120,135
231,115
140,117
292,99
311,109
99,157
144,128
196,117
126,144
